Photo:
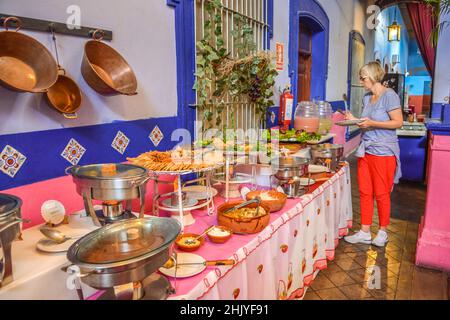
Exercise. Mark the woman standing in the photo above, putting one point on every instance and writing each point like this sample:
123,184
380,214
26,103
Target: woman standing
378,154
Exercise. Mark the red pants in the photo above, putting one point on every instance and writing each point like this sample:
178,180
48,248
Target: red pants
376,179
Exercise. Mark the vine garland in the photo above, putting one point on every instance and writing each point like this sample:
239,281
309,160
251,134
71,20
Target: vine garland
251,74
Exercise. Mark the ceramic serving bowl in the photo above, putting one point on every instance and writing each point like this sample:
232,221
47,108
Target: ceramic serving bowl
219,239
278,202
183,246
243,225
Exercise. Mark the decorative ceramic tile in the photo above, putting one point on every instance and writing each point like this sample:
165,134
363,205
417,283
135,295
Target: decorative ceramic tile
156,136
11,160
120,142
73,152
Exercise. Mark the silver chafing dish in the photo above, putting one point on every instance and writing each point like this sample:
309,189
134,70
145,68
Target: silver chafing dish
327,155
127,252
10,219
288,170
112,184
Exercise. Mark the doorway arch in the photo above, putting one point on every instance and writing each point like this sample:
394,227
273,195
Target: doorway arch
311,14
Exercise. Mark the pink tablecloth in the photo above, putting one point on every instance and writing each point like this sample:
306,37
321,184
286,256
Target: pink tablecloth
284,258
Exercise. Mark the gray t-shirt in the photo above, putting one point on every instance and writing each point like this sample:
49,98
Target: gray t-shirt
379,112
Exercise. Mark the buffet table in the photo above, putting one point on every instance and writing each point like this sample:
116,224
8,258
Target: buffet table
278,263
281,261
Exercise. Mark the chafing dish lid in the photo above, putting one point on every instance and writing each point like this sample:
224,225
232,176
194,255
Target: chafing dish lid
109,171
128,240
289,162
9,204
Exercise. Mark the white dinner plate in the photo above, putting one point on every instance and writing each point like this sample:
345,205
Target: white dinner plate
186,270
50,246
307,182
347,123
199,192
313,168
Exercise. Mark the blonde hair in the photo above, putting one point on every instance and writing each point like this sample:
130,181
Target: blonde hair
374,71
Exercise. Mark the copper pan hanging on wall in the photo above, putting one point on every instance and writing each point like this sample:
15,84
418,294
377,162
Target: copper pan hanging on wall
64,95
25,64
105,70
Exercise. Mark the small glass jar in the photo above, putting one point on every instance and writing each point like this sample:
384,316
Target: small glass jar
325,117
307,117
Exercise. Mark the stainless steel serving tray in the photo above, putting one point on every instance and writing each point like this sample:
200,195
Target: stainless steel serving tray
122,183
128,266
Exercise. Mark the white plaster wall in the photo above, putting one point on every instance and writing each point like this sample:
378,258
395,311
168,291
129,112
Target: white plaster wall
344,16
442,69
340,14
281,35
143,32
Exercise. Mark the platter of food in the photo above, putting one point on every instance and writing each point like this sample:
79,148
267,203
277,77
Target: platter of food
291,136
172,162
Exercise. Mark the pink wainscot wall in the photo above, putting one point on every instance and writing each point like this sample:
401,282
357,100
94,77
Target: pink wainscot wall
63,189
433,246
350,145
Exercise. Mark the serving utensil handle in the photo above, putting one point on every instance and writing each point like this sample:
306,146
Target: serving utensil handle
227,262
70,115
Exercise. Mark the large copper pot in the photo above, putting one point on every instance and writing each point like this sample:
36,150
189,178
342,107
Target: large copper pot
25,64
65,96
105,70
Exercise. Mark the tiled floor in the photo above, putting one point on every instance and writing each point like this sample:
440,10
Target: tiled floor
365,272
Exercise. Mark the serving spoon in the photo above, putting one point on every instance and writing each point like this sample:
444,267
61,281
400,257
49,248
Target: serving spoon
55,235
171,263
192,241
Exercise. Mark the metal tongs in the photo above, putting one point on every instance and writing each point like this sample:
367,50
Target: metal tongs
243,204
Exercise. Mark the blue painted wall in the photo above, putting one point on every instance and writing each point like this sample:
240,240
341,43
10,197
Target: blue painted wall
43,149
311,13
384,48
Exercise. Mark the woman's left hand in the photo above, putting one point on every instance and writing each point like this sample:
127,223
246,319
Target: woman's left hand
367,123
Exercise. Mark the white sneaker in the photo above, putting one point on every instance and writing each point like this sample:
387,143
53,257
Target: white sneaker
381,239
359,237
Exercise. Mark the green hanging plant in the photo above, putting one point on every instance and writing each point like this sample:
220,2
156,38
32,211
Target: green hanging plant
251,74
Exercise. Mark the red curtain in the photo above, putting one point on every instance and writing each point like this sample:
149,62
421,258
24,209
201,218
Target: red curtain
424,21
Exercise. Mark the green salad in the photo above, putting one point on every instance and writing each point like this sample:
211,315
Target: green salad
291,136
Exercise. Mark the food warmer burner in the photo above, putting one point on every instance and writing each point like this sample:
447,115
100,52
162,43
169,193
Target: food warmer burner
288,170
231,180
122,258
112,184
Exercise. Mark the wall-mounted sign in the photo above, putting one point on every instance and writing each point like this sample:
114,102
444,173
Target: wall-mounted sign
280,56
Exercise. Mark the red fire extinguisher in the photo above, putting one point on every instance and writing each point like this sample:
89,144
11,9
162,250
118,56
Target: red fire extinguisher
285,112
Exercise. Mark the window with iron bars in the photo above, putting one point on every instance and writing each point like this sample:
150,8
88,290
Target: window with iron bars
255,14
